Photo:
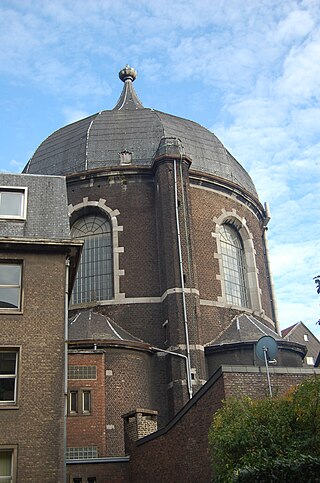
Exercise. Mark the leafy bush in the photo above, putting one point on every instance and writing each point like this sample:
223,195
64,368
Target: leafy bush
303,467
266,437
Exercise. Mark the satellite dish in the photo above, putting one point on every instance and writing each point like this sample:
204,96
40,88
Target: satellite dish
266,350
268,345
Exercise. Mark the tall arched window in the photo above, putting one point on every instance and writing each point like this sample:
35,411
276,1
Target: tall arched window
234,268
94,279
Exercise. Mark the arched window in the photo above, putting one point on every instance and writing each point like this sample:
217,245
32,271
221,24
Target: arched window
94,279
233,265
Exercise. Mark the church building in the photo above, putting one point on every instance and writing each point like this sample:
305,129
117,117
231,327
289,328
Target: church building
174,280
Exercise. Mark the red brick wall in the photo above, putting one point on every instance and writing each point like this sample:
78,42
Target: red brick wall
104,472
126,379
89,430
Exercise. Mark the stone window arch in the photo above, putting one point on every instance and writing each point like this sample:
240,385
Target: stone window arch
94,280
238,227
94,220
234,271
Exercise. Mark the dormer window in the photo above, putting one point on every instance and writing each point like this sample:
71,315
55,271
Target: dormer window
13,203
125,157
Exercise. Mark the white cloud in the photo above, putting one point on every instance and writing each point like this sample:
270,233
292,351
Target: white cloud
296,25
300,81
256,69
72,115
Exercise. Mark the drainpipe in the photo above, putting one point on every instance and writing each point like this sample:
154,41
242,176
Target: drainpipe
266,247
157,349
66,306
185,318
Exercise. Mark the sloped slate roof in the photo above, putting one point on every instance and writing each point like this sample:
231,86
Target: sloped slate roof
88,324
42,222
286,331
244,328
97,141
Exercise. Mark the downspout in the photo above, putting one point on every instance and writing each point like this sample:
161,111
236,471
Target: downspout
187,231
157,349
185,319
66,306
267,255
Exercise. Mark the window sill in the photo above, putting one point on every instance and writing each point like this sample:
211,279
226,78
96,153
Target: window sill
12,218
80,415
8,406
10,312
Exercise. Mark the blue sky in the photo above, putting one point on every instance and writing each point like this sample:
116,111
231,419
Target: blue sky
249,70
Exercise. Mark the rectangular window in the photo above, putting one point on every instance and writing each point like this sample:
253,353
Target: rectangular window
83,453
82,372
8,377
91,479
310,361
86,402
79,402
305,337
10,286
73,401
8,464
13,203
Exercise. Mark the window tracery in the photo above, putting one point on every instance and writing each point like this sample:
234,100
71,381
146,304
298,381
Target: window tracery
234,266
94,279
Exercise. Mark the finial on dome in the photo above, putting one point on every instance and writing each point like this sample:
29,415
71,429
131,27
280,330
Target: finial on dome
128,99
128,73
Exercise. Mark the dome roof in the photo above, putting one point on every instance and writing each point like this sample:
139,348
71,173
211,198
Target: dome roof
97,142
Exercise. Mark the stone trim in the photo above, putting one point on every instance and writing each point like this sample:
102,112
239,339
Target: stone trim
148,300
116,249
240,224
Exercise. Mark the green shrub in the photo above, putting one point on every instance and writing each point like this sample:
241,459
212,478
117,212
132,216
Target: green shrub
256,436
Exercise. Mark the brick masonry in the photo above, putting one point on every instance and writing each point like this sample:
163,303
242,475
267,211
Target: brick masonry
36,425
145,203
179,452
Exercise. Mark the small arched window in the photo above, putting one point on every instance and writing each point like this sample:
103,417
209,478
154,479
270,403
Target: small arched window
234,267
94,279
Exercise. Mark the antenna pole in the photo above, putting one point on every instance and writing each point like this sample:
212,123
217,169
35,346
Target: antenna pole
265,350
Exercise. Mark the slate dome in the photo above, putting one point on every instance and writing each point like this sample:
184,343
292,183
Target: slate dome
97,142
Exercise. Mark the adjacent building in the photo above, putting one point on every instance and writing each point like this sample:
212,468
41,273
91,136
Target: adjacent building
38,261
300,333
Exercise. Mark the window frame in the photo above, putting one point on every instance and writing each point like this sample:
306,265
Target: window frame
86,402
234,261
77,396
310,360
13,450
13,404
78,453
89,286
23,202
19,263
240,223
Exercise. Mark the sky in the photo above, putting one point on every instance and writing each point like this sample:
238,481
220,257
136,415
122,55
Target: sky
249,70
